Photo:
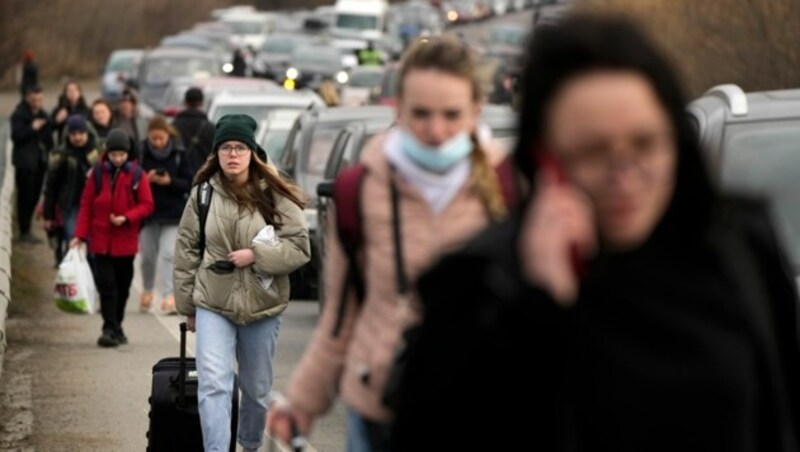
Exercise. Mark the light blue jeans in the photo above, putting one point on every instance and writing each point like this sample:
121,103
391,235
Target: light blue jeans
362,433
253,345
157,246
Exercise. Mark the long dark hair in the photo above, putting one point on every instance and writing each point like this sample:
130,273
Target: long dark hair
253,196
63,102
584,43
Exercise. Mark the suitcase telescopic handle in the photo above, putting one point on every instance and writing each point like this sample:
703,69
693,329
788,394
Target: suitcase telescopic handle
182,371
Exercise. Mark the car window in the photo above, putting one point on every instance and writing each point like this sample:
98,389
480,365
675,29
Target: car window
274,142
356,22
162,70
365,79
122,63
245,27
765,159
312,170
283,46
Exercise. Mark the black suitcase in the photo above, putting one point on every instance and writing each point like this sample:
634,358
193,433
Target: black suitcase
174,416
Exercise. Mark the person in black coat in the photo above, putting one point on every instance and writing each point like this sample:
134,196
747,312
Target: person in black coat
628,305
196,130
29,76
32,136
239,64
70,102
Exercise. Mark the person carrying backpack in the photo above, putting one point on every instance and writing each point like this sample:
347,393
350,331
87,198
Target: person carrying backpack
196,130
168,169
116,199
241,234
430,188
66,177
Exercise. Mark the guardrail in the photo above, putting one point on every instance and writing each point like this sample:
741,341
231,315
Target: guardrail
6,203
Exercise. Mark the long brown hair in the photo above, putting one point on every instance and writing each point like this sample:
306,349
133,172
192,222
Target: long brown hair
448,55
252,196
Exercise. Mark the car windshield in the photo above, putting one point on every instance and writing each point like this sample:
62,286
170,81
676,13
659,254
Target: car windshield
122,63
245,27
257,112
273,142
765,159
389,85
283,45
356,22
367,79
162,70
317,56
313,170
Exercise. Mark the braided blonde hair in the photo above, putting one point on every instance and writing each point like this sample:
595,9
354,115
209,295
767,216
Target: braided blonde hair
448,55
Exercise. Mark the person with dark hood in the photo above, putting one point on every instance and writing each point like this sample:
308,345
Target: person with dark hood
239,64
32,136
29,73
196,130
628,305
70,102
66,176
113,205
168,169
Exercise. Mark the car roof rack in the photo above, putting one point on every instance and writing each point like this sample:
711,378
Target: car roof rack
732,95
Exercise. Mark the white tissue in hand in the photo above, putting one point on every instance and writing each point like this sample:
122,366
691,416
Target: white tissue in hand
266,236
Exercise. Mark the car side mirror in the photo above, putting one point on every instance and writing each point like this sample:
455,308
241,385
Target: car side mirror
325,189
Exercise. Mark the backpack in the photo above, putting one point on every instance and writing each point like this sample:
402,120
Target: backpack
347,204
137,178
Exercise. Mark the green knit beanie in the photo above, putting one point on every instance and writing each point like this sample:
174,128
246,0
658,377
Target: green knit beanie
238,128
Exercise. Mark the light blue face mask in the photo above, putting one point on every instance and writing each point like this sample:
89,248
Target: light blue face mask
437,159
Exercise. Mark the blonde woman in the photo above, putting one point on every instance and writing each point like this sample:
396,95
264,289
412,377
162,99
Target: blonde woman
446,192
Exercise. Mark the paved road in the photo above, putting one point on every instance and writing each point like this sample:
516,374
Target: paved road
62,392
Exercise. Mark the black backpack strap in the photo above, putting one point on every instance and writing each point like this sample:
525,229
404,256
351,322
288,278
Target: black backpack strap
204,192
98,178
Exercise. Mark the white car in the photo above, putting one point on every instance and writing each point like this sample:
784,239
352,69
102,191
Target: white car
259,105
363,86
273,131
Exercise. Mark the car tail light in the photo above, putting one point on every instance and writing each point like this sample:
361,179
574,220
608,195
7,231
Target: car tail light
171,111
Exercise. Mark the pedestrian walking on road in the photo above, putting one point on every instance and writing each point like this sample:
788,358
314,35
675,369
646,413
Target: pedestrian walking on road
196,130
29,73
70,102
239,64
100,122
631,305
66,176
168,170
129,118
32,137
431,188
232,270
116,199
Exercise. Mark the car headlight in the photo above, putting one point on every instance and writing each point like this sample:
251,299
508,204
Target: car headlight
292,73
227,68
452,16
342,77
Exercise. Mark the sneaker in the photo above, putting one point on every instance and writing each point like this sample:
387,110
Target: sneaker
145,300
121,338
107,340
168,305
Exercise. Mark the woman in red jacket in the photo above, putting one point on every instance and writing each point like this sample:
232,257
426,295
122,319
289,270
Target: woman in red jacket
109,219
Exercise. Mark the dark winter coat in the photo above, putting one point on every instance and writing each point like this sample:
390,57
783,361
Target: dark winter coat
78,109
66,176
197,135
669,347
117,196
31,147
171,199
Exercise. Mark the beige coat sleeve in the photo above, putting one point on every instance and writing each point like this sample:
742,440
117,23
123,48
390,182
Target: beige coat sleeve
314,383
187,256
294,249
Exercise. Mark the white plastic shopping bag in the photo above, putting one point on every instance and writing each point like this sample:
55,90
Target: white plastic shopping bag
75,291
266,236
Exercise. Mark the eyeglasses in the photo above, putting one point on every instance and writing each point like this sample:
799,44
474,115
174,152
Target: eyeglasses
229,149
594,165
